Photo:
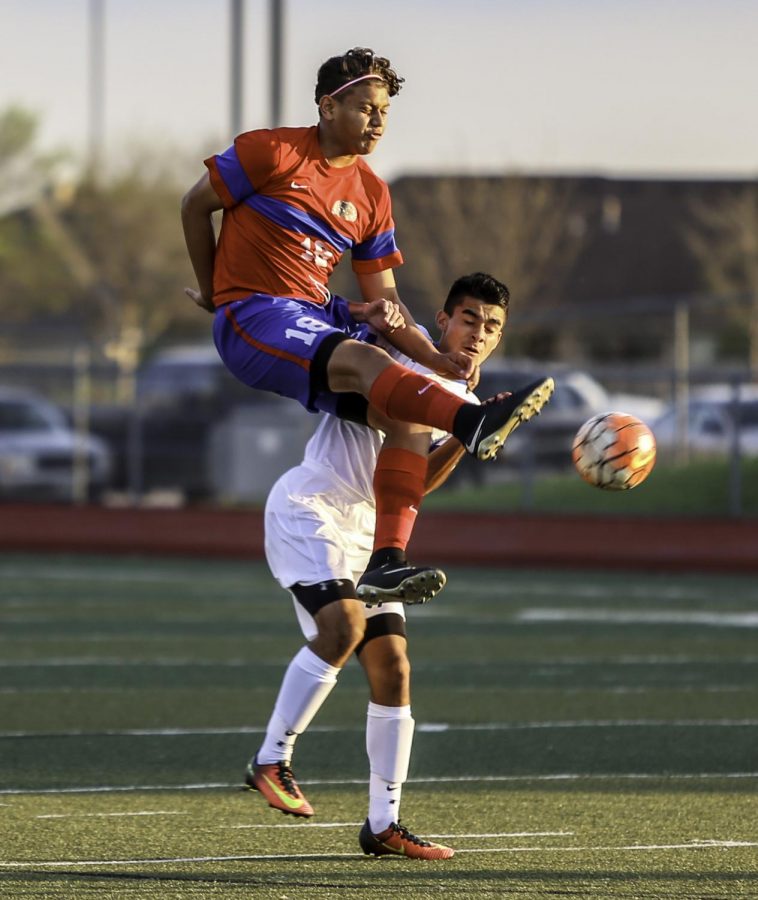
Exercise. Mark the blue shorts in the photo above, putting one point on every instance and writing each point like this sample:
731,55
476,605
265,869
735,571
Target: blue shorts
271,343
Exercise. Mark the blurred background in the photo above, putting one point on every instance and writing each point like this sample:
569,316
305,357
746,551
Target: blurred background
601,158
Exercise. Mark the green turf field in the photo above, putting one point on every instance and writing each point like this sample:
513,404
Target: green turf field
701,488
579,734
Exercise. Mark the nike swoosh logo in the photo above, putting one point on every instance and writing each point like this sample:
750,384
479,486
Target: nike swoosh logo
424,389
471,446
299,187
399,851
392,571
292,802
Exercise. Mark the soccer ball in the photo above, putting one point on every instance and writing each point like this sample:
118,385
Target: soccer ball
614,451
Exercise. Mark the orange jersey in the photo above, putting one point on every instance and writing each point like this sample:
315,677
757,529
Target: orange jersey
289,216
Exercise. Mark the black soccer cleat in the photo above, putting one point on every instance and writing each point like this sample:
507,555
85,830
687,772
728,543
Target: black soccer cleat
399,581
484,436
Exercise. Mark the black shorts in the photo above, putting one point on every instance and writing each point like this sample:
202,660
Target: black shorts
314,597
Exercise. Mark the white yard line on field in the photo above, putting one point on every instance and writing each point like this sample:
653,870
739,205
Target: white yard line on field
118,575
421,727
158,662
106,815
432,727
453,779
640,617
299,825
632,848
503,834
55,662
635,848
499,834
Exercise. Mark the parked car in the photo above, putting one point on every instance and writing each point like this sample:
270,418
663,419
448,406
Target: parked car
198,432
714,420
191,374
38,449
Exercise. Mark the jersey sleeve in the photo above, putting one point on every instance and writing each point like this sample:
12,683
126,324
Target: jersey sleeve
377,250
245,167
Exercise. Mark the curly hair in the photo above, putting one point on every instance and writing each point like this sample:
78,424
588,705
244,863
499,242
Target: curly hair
339,70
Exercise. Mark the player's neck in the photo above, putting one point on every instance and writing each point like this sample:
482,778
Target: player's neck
333,152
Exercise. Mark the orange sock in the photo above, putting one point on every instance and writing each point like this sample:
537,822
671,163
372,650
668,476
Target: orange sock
401,394
399,486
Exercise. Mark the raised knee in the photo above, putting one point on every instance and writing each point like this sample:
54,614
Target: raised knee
397,672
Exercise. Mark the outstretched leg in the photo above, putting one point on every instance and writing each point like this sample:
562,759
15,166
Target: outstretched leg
399,393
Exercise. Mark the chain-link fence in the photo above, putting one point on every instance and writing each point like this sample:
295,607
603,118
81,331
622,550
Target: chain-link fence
171,432
181,429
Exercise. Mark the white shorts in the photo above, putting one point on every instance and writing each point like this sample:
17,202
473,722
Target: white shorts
312,537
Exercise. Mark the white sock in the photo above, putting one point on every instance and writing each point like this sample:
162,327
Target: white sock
389,737
307,682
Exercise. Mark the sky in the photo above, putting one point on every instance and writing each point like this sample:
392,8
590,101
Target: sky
638,88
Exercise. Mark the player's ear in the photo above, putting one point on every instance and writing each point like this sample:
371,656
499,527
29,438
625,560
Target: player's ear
442,318
326,107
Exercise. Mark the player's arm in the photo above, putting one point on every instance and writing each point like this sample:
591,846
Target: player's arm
442,461
198,206
409,339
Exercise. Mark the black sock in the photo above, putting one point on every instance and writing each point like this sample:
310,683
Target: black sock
386,555
466,420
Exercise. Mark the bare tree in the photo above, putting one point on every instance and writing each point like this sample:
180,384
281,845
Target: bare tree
108,252
23,172
724,240
526,231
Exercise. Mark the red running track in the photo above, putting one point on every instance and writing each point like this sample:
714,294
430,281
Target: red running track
440,538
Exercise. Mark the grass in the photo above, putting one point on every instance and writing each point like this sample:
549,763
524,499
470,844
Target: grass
578,734
701,488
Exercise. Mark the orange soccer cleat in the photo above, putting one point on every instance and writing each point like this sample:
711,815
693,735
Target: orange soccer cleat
277,784
398,841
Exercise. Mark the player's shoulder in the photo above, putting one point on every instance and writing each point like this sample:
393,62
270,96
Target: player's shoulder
293,137
285,133
283,140
298,147
373,184
257,148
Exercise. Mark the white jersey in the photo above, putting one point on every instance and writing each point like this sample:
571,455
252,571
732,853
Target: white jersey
320,516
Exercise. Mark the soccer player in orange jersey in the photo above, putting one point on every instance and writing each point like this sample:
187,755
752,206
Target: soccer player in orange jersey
294,200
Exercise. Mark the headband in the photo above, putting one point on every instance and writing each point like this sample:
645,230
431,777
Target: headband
354,81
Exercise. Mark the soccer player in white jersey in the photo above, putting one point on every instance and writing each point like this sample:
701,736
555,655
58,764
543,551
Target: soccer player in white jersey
319,525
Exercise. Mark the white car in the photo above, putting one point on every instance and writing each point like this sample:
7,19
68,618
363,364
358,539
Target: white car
714,421
38,449
548,438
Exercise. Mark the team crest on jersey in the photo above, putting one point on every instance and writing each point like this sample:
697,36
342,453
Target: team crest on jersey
345,210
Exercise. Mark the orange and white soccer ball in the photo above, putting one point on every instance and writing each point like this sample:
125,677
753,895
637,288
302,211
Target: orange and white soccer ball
614,451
